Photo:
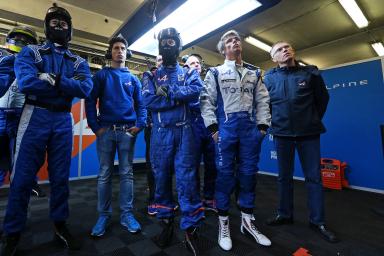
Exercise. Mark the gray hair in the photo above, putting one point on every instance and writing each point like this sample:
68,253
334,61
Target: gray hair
221,43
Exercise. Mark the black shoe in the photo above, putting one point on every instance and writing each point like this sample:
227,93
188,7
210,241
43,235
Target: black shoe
324,232
191,238
279,220
37,191
166,234
9,244
62,235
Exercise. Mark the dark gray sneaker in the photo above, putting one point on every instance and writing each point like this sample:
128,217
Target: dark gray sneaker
63,235
37,191
165,237
191,239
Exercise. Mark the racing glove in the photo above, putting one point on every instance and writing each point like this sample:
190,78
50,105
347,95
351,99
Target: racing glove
162,91
51,78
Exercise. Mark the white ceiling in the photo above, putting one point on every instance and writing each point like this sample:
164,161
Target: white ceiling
320,30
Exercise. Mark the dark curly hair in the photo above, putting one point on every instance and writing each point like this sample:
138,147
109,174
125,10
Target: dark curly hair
117,39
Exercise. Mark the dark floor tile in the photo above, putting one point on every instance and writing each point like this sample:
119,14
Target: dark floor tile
349,213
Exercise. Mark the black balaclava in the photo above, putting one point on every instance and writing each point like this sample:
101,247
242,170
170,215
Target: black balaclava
167,51
58,34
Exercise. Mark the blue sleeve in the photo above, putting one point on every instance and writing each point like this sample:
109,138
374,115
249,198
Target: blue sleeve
266,81
190,91
27,75
7,74
151,100
80,85
91,101
141,111
267,78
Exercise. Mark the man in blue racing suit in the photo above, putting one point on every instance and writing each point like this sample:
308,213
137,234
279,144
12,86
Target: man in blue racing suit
205,146
50,76
167,96
11,100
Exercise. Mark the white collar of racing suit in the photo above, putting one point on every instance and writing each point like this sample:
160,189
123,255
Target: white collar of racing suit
233,63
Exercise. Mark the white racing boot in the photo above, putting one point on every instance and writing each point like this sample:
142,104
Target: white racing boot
248,227
224,238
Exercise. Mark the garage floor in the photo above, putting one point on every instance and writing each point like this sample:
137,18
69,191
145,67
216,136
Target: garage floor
350,213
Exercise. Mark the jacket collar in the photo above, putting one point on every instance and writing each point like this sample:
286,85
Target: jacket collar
57,48
286,68
123,69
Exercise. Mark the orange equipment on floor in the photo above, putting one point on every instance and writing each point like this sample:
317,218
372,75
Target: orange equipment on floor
333,173
301,252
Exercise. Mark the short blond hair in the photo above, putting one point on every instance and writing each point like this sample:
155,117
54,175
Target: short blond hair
221,43
278,42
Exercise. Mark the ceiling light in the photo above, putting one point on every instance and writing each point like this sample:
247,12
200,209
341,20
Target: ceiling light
379,48
302,63
354,12
258,43
194,20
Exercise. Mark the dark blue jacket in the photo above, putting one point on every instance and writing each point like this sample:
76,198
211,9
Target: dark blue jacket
183,87
299,100
74,81
120,102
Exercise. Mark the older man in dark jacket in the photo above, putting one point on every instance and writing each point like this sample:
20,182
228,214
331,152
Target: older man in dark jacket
299,100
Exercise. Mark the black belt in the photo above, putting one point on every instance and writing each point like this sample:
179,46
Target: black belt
48,106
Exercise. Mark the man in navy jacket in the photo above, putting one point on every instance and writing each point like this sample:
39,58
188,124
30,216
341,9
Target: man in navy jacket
299,100
121,117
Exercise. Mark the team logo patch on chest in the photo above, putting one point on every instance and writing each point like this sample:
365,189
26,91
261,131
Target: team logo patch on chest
228,72
180,77
164,78
302,84
129,83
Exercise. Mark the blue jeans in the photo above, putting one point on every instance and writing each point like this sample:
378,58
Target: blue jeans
107,143
309,155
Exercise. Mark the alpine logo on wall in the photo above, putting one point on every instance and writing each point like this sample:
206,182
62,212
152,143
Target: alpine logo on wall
348,84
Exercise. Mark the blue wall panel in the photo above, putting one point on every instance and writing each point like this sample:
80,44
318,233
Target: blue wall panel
353,118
